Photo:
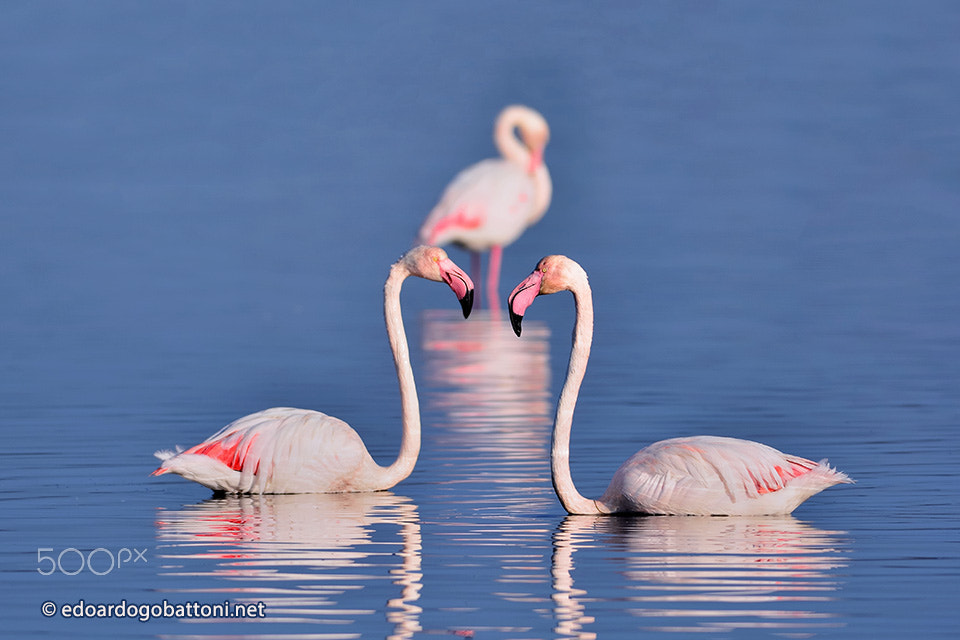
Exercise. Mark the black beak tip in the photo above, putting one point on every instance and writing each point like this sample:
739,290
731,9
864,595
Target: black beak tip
466,303
515,321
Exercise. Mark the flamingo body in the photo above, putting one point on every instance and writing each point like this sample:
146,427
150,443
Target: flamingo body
279,450
486,205
700,475
714,475
490,204
285,450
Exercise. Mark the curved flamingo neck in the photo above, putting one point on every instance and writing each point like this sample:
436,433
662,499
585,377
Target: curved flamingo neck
409,404
514,150
510,147
543,192
570,498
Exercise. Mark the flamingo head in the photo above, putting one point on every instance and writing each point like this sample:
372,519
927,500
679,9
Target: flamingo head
553,274
535,134
432,263
533,130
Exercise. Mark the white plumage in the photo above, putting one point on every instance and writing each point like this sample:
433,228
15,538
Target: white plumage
279,450
715,475
489,204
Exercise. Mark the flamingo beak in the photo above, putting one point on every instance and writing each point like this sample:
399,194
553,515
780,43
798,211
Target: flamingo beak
466,303
536,159
522,297
460,283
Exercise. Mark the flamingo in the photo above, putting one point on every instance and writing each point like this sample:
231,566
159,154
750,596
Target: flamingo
489,204
700,475
286,450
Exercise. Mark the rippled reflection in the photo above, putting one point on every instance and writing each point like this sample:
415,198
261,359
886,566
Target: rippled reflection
300,554
489,436
483,375
713,574
491,391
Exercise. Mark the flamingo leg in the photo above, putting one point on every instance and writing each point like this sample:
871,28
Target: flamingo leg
493,277
475,266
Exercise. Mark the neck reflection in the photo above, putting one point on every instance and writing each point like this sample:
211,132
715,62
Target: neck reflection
488,396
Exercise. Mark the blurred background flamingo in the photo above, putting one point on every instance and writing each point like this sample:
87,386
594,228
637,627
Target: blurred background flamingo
701,475
491,203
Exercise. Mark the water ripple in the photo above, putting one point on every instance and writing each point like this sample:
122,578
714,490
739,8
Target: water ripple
302,555
710,574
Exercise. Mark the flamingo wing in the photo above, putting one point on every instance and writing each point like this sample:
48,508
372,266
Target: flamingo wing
279,450
710,475
488,204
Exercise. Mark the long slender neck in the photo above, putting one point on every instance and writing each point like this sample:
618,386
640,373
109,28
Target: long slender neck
409,404
543,192
570,498
512,149
508,144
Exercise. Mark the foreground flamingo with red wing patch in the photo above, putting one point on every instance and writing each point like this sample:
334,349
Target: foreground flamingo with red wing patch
489,205
701,475
286,450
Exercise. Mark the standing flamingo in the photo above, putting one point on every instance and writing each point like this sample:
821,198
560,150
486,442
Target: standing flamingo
701,475
286,450
488,205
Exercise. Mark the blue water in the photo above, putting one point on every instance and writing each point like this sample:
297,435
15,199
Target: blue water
199,203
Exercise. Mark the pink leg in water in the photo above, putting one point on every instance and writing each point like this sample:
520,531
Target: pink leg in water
475,266
493,278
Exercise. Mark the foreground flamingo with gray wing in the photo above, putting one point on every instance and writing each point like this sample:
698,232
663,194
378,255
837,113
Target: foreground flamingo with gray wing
701,475
489,204
286,450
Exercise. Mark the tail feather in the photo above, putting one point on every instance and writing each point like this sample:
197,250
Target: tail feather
164,455
837,476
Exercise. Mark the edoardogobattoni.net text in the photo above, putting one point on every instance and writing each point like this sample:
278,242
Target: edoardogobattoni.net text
145,612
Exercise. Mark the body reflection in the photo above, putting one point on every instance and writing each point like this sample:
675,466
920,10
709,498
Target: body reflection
715,574
492,393
299,554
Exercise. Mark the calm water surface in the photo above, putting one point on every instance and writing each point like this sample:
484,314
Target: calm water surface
199,203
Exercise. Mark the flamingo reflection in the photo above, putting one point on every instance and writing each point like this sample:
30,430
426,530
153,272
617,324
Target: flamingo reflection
299,554
494,405
713,574
488,459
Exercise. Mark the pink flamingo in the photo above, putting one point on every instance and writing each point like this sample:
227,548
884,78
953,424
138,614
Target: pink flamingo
701,475
488,205
286,450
